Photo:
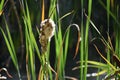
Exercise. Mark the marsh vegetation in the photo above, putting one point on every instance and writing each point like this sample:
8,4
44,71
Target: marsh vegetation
59,39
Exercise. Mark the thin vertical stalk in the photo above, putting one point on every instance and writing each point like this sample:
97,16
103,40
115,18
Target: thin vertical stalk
82,43
108,15
86,37
108,20
43,11
108,24
20,29
117,30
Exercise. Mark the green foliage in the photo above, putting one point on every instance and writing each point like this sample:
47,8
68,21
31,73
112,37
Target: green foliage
11,48
62,42
31,45
84,41
1,4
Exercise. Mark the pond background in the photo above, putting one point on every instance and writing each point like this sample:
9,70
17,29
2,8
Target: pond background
98,16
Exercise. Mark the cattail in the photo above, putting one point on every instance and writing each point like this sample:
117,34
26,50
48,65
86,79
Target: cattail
46,32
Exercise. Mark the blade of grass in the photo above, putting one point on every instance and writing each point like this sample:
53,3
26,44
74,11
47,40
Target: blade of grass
59,53
31,45
28,22
113,67
93,64
67,14
32,62
66,45
52,7
97,74
114,13
29,56
103,39
86,37
82,41
59,65
113,16
65,39
11,48
108,15
117,37
108,20
1,6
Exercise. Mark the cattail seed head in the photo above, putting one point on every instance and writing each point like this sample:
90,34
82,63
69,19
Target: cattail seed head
46,33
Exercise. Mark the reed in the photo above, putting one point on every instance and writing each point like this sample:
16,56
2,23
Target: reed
52,26
11,48
84,41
